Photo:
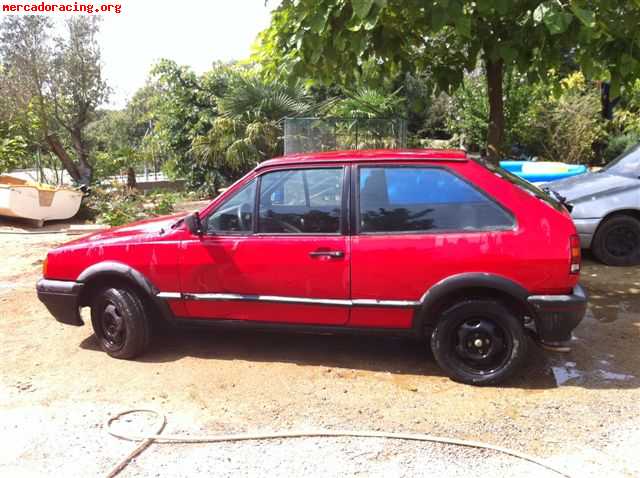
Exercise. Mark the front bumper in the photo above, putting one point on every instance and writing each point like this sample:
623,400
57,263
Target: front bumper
586,229
557,315
62,299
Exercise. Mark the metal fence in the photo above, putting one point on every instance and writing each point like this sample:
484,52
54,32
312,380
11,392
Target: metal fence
330,134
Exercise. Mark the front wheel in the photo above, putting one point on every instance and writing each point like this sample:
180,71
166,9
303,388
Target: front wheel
617,241
120,323
479,342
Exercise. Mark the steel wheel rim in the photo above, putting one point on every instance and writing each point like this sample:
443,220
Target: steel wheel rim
622,241
481,345
113,327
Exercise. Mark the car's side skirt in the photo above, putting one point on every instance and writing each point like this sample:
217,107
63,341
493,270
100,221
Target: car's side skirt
293,328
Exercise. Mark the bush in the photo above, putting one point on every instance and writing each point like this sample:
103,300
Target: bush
118,205
470,114
555,126
572,123
619,144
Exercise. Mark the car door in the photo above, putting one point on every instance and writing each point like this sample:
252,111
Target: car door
275,251
414,226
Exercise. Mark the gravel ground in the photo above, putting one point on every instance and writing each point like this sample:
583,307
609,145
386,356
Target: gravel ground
579,411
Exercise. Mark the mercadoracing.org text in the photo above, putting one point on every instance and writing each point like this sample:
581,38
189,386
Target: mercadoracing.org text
35,7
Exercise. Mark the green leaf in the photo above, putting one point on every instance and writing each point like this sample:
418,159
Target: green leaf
361,7
627,65
587,17
438,19
507,53
381,3
319,21
539,13
463,25
587,67
557,21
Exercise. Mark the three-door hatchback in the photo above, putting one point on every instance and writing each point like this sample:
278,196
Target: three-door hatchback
424,243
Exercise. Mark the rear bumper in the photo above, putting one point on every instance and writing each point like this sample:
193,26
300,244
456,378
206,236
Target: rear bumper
62,299
557,315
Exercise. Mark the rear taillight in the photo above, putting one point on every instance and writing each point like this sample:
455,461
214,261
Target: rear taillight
45,267
575,254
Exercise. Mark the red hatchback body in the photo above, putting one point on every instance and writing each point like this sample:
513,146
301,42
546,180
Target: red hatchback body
422,242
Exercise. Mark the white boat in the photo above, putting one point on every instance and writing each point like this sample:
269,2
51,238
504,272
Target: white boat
38,202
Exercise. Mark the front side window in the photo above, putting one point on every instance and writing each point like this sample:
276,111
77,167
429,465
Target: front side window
413,199
304,201
235,215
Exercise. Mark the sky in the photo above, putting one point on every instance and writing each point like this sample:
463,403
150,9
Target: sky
191,32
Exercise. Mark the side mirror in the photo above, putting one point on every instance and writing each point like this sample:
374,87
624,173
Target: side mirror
193,223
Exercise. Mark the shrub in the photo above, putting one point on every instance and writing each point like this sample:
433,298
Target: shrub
117,205
619,144
570,128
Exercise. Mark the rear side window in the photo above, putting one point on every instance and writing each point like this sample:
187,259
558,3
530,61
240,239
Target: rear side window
304,201
413,199
526,186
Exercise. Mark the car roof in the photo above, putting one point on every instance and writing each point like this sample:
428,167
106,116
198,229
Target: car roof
364,155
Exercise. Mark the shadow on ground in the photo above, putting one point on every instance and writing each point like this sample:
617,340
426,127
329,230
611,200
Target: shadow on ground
604,356
368,353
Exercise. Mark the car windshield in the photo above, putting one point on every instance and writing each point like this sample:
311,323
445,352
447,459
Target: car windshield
627,164
526,186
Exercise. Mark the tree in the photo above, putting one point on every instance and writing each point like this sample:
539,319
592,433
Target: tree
184,107
62,81
77,89
250,126
119,138
331,40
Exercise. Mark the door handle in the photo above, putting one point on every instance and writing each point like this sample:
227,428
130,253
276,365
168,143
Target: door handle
335,254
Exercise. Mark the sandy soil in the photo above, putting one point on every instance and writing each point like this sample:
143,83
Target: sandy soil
579,410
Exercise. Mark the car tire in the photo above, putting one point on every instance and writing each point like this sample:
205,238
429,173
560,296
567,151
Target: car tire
120,323
479,342
617,241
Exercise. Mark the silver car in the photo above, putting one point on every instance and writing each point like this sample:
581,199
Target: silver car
606,209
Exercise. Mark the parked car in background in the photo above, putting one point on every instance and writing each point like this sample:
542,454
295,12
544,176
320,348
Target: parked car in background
606,209
424,243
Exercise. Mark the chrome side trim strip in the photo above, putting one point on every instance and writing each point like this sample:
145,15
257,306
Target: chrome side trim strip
291,300
266,298
384,303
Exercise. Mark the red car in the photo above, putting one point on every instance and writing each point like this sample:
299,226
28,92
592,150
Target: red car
425,243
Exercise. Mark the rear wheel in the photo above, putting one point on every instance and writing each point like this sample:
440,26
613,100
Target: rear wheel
479,342
617,241
120,323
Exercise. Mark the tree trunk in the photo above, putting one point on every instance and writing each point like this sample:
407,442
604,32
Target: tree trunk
495,137
84,168
67,162
131,177
82,172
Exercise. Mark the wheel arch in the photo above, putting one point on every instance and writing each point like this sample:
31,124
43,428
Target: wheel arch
111,273
470,285
634,213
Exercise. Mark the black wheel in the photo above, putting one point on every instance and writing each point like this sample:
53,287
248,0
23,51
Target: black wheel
617,242
479,342
120,323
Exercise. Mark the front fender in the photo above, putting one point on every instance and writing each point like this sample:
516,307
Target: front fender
113,269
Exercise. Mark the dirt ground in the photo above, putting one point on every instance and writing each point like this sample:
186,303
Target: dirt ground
579,411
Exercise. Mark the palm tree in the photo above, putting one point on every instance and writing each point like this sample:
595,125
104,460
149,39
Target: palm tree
249,129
